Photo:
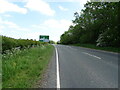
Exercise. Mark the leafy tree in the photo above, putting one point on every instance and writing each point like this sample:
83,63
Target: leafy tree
96,24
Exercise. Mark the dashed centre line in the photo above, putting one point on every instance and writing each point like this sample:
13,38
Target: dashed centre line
71,48
91,55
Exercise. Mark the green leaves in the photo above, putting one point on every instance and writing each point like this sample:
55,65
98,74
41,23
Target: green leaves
97,23
10,43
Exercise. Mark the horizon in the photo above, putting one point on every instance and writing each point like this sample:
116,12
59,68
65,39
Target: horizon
28,20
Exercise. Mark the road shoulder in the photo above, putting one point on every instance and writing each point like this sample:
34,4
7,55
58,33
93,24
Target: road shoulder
48,79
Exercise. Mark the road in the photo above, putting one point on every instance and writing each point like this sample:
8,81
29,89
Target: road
85,68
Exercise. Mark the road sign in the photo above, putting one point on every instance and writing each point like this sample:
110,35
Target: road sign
44,38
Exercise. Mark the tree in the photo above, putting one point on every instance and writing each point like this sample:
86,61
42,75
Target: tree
97,23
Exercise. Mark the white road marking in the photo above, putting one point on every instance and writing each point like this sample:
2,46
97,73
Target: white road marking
92,55
71,48
57,68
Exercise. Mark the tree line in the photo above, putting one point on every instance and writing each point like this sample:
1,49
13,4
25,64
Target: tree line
97,24
9,43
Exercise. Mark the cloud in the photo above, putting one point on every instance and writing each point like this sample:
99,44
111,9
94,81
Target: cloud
1,28
52,27
11,29
41,26
62,8
40,6
7,15
63,0
6,6
4,24
53,23
82,2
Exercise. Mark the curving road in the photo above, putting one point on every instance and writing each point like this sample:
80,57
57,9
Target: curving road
87,68
77,67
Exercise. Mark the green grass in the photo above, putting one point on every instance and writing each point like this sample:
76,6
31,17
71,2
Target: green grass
24,69
112,49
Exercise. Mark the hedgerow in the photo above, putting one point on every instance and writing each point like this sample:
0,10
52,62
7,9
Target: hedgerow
9,43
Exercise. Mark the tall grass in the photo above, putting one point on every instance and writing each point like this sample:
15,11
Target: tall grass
25,68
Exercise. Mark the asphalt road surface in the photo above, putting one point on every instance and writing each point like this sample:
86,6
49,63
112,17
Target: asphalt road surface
84,68
87,68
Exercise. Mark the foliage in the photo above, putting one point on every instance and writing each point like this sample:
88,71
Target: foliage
10,43
52,42
25,68
96,24
112,49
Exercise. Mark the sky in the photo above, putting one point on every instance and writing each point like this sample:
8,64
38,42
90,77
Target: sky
27,19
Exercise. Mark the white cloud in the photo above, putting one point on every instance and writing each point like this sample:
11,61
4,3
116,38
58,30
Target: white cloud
7,15
4,24
41,27
10,24
63,0
82,2
32,35
11,29
62,8
81,5
53,23
52,27
10,7
40,6
1,28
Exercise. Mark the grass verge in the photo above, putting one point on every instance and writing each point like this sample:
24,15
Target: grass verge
111,49
24,69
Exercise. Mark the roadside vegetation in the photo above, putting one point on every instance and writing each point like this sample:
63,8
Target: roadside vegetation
52,42
92,46
23,65
9,44
95,26
0,71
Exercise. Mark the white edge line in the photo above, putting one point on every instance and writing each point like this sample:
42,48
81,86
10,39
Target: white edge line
91,55
57,68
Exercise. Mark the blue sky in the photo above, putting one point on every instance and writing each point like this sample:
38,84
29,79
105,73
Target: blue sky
31,18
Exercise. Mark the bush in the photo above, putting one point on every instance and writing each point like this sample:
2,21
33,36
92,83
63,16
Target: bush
10,43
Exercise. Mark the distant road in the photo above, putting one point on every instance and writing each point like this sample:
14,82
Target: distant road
86,68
